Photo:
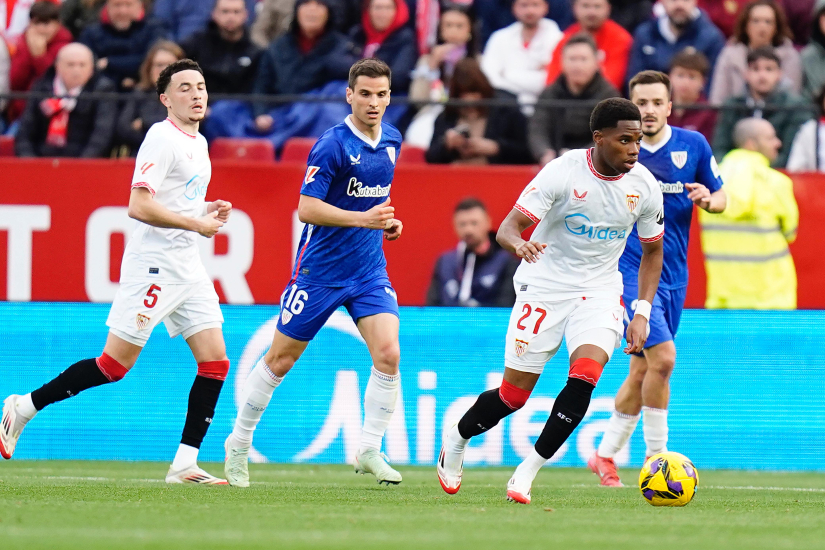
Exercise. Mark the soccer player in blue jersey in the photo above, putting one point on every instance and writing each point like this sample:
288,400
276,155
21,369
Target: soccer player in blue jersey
345,204
683,163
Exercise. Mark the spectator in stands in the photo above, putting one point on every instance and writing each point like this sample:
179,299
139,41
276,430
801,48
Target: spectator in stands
14,18
682,25
747,260
144,109
5,64
555,130
182,18
723,14
688,76
613,42
495,15
761,23
384,34
763,94
309,56
808,148
120,41
813,55
76,15
224,50
478,135
478,272
272,21
72,126
631,13
516,57
35,51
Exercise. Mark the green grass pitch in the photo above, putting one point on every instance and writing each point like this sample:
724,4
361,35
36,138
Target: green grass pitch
113,505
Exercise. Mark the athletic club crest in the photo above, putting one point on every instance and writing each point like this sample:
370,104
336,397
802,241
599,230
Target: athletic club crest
679,158
521,347
632,202
391,153
286,316
142,321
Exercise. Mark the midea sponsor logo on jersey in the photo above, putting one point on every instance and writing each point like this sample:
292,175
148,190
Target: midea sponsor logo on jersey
673,188
195,187
358,189
579,224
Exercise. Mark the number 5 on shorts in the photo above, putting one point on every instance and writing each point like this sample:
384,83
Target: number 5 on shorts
527,311
296,300
151,297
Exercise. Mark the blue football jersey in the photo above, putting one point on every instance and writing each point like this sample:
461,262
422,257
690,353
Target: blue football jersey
683,156
347,170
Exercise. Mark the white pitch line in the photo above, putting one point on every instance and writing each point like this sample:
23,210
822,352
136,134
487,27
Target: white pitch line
90,478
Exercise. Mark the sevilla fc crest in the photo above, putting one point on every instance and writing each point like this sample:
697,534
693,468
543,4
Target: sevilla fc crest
632,202
521,347
679,158
142,321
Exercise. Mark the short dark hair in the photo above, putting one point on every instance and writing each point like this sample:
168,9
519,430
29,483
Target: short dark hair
649,77
691,59
178,66
468,204
371,68
582,38
763,52
44,12
609,112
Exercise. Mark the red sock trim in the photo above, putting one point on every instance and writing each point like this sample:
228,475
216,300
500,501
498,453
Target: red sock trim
214,369
513,397
110,368
586,369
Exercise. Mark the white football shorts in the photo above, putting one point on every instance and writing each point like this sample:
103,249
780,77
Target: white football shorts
184,308
536,329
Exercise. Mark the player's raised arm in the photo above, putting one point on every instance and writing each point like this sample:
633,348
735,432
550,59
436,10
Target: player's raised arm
509,237
315,211
144,208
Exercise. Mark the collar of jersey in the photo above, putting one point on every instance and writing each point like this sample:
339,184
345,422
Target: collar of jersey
360,135
172,122
595,172
653,148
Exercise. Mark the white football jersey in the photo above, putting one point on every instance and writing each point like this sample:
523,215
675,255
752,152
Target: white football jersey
174,166
585,219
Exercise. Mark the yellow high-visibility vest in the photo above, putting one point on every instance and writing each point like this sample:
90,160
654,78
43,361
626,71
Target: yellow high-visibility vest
748,263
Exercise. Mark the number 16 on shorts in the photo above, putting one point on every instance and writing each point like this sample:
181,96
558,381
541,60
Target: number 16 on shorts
293,304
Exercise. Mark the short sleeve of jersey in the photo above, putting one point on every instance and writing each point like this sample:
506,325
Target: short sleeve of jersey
322,165
540,194
153,162
708,171
651,222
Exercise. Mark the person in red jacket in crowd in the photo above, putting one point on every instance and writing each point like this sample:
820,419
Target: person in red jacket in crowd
593,16
35,51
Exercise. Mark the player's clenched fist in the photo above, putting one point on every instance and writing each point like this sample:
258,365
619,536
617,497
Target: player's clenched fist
393,229
636,334
209,225
223,208
530,250
378,216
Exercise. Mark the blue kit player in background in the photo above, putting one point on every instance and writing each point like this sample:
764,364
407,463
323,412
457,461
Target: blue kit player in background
345,204
683,163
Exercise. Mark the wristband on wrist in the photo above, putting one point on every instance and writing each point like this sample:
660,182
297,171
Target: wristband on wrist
643,308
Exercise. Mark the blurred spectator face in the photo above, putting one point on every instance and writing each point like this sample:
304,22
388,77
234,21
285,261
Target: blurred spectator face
163,59
761,26
654,104
186,96
591,14
680,12
766,141
579,64
369,99
455,28
472,226
230,15
530,12
122,13
382,14
74,65
46,29
687,85
762,76
471,112
312,18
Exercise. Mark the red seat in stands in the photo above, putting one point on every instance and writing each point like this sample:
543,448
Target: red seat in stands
297,149
242,149
6,146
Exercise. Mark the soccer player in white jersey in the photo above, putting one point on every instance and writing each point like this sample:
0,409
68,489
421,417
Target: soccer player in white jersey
162,277
568,285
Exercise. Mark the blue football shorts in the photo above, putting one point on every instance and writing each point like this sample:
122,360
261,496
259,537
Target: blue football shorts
664,317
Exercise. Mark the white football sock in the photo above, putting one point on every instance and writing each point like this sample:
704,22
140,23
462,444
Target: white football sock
25,411
531,465
655,426
185,457
257,393
454,446
379,404
619,429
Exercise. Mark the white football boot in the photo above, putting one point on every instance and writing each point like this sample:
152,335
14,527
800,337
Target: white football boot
236,465
448,475
8,434
519,488
371,461
193,475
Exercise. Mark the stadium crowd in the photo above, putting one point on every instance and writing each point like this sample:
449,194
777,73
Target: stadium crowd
727,61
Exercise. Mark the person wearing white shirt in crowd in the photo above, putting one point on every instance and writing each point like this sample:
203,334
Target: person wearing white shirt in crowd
808,148
516,57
